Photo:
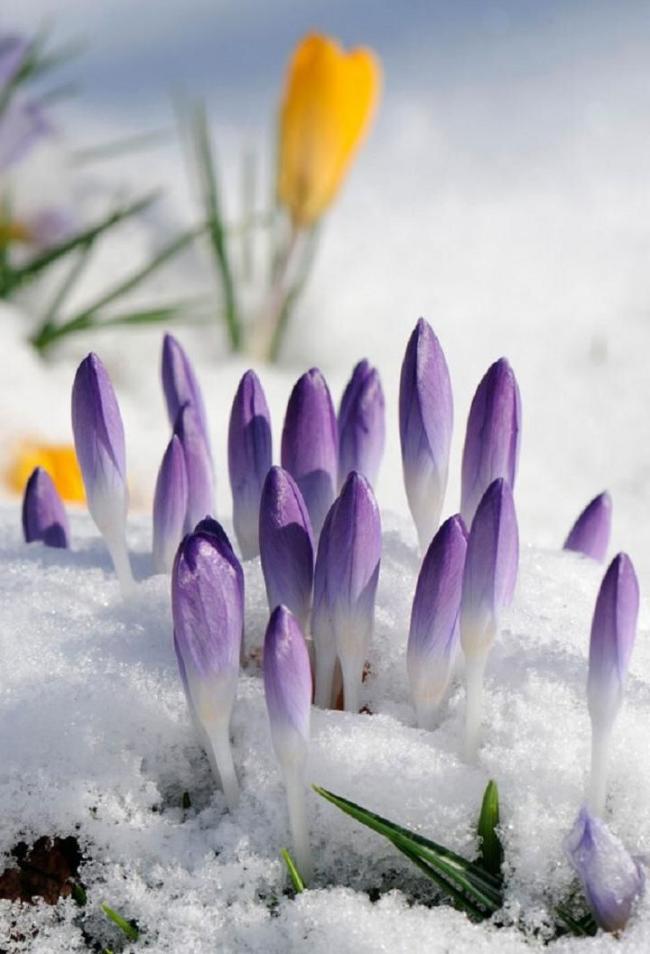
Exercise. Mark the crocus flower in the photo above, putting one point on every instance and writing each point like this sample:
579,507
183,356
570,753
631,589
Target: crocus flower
288,690
169,506
286,545
99,443
361,424
348,577
328,101
493,434
434,634
309,444
208,614
198,466
181,386
44,517
613,631
611,878
488,586
59,460
13,50
249,459
590,533
426,414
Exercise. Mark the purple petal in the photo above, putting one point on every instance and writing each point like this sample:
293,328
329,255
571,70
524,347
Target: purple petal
44,516
590,533
169,506
612,880
361,424
286,544
309,444
22,124
249,459
287,682
13,50
211,526
198,466
490,567
613,631
49,226
493,435
426,414
181,386
434,633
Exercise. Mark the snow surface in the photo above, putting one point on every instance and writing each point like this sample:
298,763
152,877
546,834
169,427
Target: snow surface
97,742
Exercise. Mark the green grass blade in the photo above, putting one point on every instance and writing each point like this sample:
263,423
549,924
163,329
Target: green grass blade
127,927
294,292
121,146
294,874
491,852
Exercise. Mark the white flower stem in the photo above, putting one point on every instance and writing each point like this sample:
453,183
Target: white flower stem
352,670
325,665
119,553
597,793
474,672
220,756
295,786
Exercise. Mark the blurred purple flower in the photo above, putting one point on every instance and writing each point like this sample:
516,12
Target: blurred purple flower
22,124
180,386
309,444
13,51
611,878
590,533
169,506
198,466
361,424
249,459
426,414
493,435
44,517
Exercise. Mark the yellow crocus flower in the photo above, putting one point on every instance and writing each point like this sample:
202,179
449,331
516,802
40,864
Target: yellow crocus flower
328,102
59,460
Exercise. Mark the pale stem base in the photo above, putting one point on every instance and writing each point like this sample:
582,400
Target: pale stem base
474,673
352,670
295,786
325,664
597,792
220,756
119,553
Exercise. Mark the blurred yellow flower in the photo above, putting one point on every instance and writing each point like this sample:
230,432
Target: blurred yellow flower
328,102
11,230
59,460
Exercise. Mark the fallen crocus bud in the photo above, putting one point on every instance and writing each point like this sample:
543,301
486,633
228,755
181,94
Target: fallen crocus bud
613,631
44,516
348,581
180,385
361,424
309,444
198,466
492,438
611,878
288,690
249,459
433,642
286,545
99,444
169,506
208,615
590,533
489,581
426,414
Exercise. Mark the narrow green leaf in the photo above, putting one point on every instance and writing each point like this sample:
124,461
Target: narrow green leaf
580,927
129,928
295,291
122,146
294,874
79,894
448,887
491,852
186,801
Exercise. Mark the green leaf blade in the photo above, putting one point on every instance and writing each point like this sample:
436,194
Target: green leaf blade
294,874
491,852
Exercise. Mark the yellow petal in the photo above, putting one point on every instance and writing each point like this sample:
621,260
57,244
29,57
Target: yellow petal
327,106
59,460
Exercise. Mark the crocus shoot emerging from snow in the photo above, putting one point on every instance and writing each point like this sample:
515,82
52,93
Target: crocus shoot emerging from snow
198,466
169,506
181,386
590,533
361,424
44,517
249,459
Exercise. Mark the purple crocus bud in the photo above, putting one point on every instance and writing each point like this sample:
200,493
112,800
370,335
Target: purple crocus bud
611,878
99,443
286,545
169,506
44,517
249,459
181,386
198,466
434,634
309,444
13,50
426,416
288,690
488,585
590,533
352,554
322,627
361,424
208,614
613,631
493,434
